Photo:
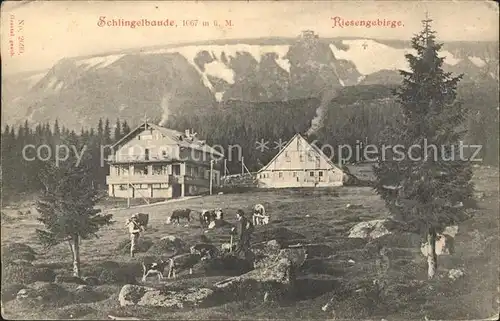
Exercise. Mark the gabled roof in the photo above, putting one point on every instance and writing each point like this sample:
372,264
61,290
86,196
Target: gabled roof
313,147
173,135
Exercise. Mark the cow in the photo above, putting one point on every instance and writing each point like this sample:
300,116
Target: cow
206,251
219,214
259,216
182,262
184,213
153,266
207,216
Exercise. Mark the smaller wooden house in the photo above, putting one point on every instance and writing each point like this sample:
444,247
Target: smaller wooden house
300,164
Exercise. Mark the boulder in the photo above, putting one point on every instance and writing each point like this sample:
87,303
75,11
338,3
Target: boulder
143,245
370,229
151,297
25,273
85,294
69,279
46,292
273,245
269,256
167,246
277,280
10,290
455,274
296,256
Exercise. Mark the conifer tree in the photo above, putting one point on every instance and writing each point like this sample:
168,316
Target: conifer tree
429,187
118,133
125,128
67,205
57,131
107,133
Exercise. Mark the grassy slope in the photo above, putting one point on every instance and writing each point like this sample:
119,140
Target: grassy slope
472,297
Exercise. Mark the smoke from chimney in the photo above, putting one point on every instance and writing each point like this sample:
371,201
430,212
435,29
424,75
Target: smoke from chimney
317,121
165,104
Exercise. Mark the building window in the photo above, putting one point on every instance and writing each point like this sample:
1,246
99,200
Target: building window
310,157
280,174
157,169
140,170
301,158
294,174
320,173
317,161
311,174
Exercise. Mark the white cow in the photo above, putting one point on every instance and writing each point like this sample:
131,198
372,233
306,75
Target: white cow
259,216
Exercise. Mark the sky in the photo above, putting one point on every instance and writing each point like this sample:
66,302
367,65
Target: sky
36,35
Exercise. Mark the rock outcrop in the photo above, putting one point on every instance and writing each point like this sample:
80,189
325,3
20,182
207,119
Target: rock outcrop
276,281
151,297
370,229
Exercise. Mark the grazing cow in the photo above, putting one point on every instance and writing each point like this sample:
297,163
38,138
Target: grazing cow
142,219
207,216
206,251
182,262
184,213
153,266
259,216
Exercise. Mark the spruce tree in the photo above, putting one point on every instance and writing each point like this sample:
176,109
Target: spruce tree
100,130
430,188
125,128
107,133
118,133
67,205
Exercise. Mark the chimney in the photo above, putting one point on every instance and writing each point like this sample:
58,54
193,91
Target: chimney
186,133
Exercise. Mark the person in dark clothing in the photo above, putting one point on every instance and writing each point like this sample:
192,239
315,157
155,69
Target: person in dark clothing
244,231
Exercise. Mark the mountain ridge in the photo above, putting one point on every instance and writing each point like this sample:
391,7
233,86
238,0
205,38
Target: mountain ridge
190,77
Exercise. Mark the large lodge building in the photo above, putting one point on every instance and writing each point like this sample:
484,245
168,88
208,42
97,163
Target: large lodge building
156,162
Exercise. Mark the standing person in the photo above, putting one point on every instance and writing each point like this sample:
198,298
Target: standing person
244,231
134,229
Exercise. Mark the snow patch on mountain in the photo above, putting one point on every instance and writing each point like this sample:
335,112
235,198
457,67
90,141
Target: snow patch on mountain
218,96
59,86
370,56
52,83
219,70
284,64
98,62
449,58
477,61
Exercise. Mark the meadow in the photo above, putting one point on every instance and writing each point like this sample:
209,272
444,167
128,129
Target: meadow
343,277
